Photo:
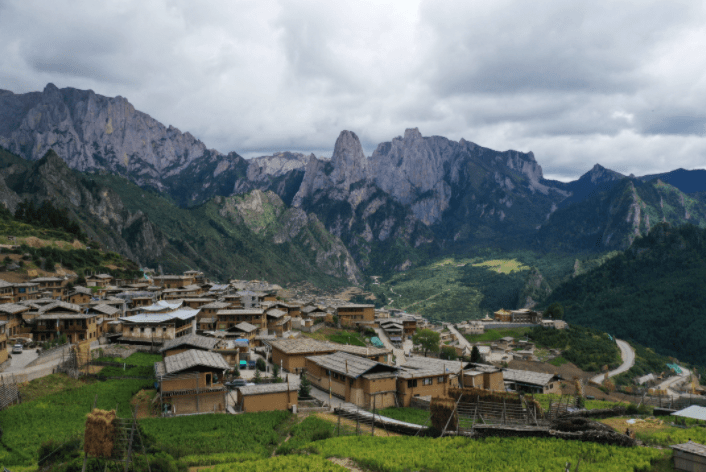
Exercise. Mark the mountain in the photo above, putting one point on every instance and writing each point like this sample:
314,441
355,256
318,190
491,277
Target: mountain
254,235
598,179
612,219
652,293
688,181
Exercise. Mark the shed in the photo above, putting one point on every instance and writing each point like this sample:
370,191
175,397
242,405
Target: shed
694,411
690,457
268,397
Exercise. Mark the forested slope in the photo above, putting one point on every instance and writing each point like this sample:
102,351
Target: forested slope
653,293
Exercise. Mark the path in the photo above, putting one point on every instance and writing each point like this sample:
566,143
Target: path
398,353
20,361
462,341
627,353
669,382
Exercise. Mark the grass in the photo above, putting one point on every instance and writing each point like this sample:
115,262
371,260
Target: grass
211,434
558,361
503,266
49,385
59,416
140,359
347,337
311,429
545,398
496,334
406,414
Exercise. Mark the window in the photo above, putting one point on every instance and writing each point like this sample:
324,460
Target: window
412,383
427,381
441,379
142,330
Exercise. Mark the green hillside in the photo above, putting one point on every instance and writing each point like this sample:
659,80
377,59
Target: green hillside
460,288
653,293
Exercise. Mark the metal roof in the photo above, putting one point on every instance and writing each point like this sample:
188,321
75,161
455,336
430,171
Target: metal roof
193,358
162,305
183,314
694,411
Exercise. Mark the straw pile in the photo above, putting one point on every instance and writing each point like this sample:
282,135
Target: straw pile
441,409
100,433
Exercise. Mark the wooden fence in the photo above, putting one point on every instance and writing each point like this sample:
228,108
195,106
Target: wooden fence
9,391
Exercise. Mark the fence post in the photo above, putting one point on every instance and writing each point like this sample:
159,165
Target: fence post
373,425
339,423
357,422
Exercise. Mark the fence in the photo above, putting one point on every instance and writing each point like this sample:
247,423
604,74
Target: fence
9,391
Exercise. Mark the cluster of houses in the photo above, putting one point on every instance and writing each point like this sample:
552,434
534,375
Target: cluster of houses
205,331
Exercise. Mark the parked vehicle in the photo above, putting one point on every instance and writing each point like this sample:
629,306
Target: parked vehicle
236,383
17,349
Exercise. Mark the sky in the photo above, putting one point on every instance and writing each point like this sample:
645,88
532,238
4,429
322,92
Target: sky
620,83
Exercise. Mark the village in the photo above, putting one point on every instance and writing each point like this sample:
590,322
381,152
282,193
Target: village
250,347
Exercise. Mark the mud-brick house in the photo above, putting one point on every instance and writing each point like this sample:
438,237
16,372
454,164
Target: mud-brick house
54,285
531,382
267,397
351,314
411,383
355,379
278,322
486,377
158,327
291,354
192,382
100,280
228,318
185,343
12,314
6,292
79,296
25,291
55,319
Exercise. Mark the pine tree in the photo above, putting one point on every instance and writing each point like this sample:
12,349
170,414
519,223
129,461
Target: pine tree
304,386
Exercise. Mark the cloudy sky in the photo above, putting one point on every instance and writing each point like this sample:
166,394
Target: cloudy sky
617,83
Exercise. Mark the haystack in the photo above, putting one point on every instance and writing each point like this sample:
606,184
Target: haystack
441,410
100,433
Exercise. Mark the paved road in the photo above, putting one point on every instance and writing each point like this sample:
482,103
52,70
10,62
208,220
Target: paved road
628,355
20,361
462,341
671,381
398,353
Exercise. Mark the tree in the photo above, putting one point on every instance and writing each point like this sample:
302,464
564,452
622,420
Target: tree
257,378
275,371
448,353
475,355
555,311
427,339
260,365
304,386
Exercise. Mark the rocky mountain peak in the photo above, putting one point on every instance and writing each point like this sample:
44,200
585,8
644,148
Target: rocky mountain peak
349,162
411,134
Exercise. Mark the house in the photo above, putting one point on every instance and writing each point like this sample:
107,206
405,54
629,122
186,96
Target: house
195,303
6,292
243,330
503,316
356,380
525,315
61,318
228,318
291,354
174,281
409,325
100,280
163,306
11,313
351,314
268,397
392,327
54,285
192,382
415,382
231,350
531,382
486,377
159,327
25,291
185,343
689,456
79,296
453,368
278,322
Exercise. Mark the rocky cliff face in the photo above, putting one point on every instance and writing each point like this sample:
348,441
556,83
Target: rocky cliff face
100,209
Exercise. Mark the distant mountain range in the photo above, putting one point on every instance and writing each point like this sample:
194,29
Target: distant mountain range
415,196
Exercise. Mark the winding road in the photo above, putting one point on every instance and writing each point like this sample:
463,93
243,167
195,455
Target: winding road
627,354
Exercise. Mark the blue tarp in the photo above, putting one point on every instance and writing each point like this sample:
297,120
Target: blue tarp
376,342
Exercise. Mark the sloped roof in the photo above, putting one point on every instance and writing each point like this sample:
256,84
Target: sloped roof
694,411
691,447
527,377
245,327
264,389
454,367
183,314
350,365
105,309
13,308
194,358
216,305
275,313
194,340
163,305
64,306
